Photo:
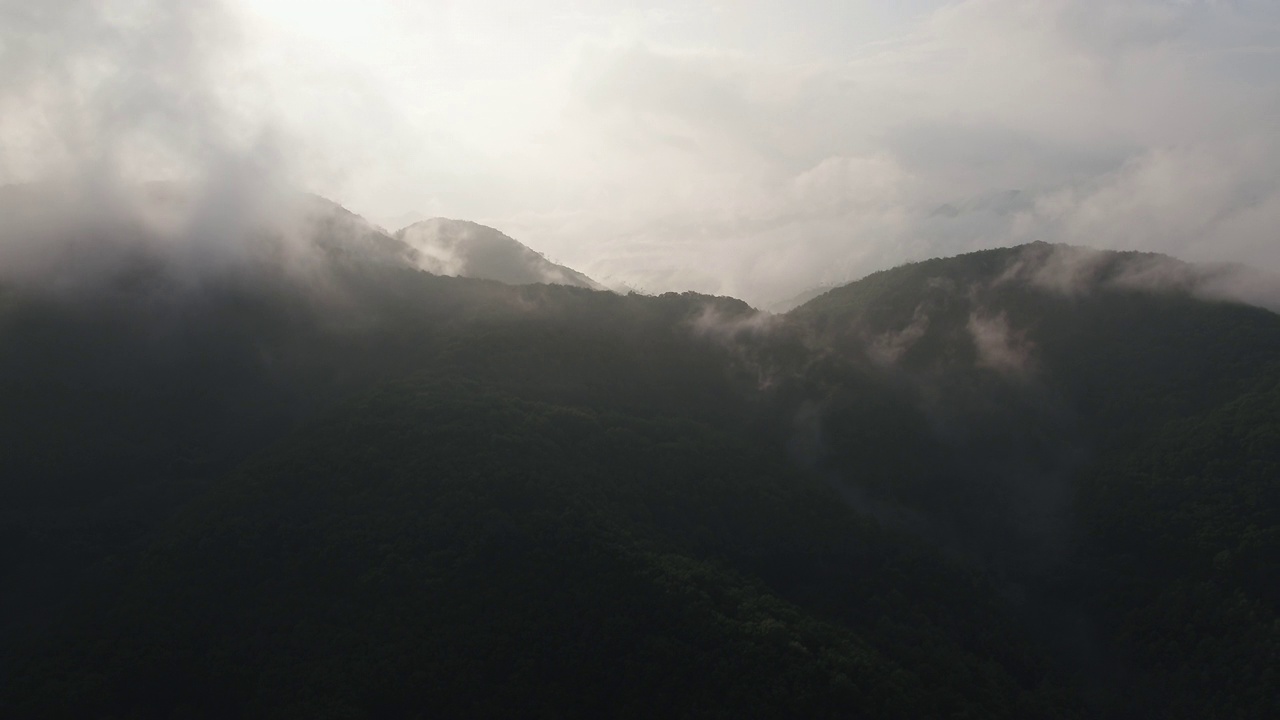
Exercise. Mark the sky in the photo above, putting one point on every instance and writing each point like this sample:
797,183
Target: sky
749,148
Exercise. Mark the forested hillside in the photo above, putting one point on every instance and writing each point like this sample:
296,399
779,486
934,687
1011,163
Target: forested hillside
1030,482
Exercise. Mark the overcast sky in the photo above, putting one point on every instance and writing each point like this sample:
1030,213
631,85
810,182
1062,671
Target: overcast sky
751,148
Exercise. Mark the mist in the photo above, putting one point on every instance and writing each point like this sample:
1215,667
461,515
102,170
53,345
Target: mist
129,134
752,151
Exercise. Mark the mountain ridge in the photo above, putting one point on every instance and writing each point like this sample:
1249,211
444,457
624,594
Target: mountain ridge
1024,482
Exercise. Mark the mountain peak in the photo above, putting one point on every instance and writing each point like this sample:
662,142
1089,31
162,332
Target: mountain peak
445,246
1063,270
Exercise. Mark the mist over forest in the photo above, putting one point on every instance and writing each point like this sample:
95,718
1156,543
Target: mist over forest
429,359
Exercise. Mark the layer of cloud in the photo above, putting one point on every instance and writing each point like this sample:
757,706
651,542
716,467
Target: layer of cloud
130,129
1143,125
753,150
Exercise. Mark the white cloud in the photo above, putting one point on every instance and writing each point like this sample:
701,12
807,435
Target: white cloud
1130,126
752,150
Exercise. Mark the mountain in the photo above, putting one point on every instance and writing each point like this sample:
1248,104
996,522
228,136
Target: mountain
52,229
1027,482
466,249
1096,430
341,234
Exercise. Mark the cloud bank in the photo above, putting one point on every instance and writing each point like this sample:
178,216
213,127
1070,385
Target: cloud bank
756,149
1141,125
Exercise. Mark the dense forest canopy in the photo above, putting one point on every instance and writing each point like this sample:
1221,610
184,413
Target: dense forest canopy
316,480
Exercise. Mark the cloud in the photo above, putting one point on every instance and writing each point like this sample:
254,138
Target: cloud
755,152
998,346
1210,201
1141,125
1073,271
118,89
128,129
889,347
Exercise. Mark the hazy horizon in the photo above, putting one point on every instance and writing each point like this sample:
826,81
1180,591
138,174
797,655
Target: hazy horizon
752,149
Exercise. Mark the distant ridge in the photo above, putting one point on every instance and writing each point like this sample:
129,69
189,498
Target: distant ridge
466,249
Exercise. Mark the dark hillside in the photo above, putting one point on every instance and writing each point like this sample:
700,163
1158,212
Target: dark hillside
1030,482
1095,442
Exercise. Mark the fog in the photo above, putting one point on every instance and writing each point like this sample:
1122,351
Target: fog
119,139
752,149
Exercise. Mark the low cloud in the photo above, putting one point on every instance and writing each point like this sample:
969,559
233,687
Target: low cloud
716,323
1077,271
998,346
888,347
127,129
